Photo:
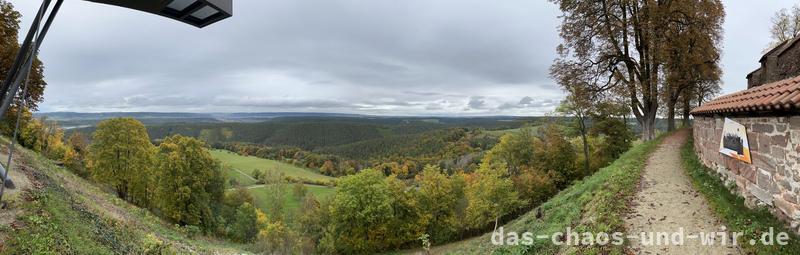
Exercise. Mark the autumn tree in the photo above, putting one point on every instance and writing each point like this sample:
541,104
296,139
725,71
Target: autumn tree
693,53
370,213
408,219
9,47
438,198
273,236
579,105
615,43
361,211
228,210
299,190
697,95
620,46
490,196
315,223
534,185
617,136
78,142
328,168
276,190
245,225
190,182
555,155
121,156
514,151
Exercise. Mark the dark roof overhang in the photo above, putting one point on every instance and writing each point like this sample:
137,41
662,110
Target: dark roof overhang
198,13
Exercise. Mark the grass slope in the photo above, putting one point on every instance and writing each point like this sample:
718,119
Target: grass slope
731,208
65,214
292,203
249,163
595,204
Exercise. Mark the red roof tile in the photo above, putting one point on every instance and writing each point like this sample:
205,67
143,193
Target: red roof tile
777,96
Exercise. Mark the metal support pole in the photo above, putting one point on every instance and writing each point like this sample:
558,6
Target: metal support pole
40,34
10,89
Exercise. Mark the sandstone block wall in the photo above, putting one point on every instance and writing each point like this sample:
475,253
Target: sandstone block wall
773,179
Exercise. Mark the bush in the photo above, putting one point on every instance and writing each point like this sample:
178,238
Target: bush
299,190
256,174
245,225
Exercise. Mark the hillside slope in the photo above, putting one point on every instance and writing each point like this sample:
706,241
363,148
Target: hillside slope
595,204
57,212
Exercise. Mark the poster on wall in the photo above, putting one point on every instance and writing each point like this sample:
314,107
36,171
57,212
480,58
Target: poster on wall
734,141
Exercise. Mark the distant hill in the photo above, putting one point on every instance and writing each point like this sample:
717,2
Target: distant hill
309,131
82,119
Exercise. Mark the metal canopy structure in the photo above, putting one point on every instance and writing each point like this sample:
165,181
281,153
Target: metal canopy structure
198,13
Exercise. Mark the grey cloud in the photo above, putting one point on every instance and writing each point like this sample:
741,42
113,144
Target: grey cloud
476,102
506,106
343,53
526,100
337,54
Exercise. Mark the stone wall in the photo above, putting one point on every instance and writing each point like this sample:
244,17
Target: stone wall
789,63
773,179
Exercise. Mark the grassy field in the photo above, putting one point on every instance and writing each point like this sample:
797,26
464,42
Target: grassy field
247,164
292,203
731,209
595,204
501,132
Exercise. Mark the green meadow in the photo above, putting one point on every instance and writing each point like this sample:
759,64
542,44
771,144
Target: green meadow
246,164
292,203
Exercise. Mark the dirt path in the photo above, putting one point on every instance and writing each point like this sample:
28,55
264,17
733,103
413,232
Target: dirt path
248,176
667,202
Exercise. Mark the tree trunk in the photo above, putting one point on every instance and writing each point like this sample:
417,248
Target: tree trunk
648,128
670,108
585,148
670,115
585,155
686,111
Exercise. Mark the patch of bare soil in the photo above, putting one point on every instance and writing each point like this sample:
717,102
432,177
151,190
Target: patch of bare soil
668,203
19,174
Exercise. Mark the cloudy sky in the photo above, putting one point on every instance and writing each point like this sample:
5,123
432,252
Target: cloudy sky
386,57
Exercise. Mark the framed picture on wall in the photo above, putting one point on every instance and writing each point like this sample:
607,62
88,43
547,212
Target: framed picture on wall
734,141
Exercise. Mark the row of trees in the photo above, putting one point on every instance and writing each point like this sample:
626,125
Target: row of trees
451,149
640,53
178,180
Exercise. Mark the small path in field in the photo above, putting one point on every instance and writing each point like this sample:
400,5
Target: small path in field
248,176
667,202
264,185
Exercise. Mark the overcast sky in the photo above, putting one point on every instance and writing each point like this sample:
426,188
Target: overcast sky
387,57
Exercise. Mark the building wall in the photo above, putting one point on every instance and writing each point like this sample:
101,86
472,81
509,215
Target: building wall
755,78
778,64
789,63
773,179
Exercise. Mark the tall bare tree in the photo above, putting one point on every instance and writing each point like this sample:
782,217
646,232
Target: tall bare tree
785,26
